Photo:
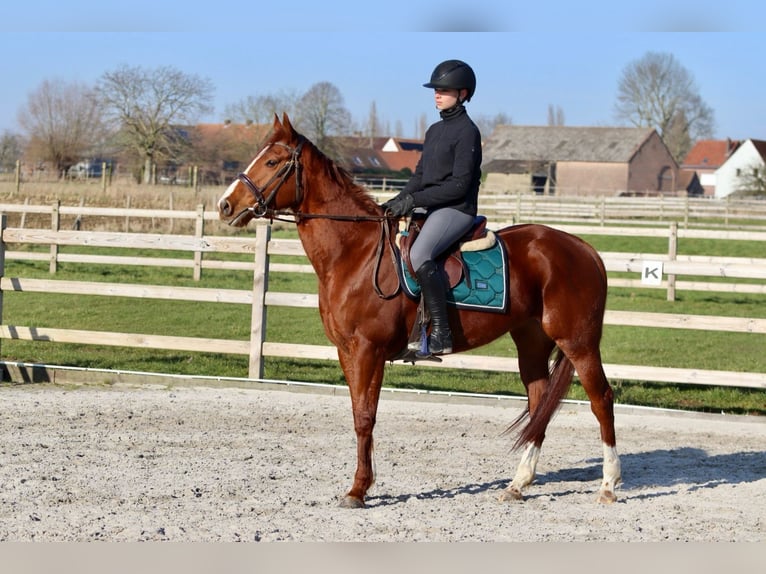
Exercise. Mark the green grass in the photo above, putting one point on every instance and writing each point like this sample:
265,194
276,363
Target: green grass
621,345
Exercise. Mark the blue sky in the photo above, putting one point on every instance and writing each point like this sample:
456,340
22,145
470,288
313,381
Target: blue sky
533,56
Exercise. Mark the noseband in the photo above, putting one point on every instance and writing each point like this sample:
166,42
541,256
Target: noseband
262,203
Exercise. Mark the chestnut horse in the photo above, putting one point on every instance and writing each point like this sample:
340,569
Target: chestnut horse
557,285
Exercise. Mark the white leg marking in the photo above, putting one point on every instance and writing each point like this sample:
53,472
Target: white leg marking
525,474
612,474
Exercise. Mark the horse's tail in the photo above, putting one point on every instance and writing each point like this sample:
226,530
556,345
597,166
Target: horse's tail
561,374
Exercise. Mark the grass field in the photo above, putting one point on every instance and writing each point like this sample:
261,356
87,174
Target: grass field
621,345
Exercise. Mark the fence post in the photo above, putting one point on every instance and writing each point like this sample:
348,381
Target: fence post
260,286
103,176
672,256
603,210
24,214
55,227
3,224
18,175
199,230
171,206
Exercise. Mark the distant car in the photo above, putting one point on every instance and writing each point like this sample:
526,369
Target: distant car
88,168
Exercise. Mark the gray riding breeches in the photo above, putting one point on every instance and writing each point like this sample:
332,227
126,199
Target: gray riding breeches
443,227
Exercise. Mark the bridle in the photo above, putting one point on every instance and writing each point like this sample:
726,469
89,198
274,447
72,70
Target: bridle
293,165
261,207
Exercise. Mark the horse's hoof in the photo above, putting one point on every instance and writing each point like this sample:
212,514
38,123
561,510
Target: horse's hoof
351,502
510,494
607,497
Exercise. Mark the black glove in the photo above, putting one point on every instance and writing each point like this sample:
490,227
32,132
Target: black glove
399,206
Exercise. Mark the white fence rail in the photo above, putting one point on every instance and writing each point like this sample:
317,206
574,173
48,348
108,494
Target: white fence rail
261,247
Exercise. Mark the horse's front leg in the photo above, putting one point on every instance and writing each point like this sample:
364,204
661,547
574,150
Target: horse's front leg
363,366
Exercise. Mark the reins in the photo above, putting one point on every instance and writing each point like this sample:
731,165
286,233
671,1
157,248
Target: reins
261,209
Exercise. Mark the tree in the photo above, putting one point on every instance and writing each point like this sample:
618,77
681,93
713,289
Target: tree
63,121
422,126
752,182
555,115
11,146
322,114
373,123
657,91
262,109
487,124
151,108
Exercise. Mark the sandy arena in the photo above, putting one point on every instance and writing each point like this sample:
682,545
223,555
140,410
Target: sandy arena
132,463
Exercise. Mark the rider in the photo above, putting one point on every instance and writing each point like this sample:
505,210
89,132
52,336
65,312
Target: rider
446,184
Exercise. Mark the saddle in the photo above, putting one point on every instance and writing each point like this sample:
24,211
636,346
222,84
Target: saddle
478,237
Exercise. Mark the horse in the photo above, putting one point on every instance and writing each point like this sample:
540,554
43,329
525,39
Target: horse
558,292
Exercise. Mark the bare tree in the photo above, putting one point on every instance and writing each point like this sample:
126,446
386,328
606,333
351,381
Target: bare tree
657,91
487,124
399,129
422,126
322,114
11,148
555,115
63,121
752,182
373,122
149,107
262,109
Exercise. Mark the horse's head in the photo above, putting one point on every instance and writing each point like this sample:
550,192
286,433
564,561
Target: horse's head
271,182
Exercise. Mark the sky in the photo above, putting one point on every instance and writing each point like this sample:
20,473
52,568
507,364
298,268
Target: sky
527,56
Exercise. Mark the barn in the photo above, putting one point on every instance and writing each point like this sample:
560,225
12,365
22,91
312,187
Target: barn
566,161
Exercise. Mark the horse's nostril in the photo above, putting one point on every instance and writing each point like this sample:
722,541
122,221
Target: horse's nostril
224,207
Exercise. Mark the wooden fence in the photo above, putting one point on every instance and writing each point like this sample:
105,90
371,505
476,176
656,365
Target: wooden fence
686,211
260,247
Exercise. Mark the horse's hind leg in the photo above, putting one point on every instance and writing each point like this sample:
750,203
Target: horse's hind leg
591,372
534,349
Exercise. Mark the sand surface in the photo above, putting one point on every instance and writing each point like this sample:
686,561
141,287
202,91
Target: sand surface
131,463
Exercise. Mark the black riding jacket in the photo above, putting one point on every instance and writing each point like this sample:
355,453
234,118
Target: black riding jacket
449,170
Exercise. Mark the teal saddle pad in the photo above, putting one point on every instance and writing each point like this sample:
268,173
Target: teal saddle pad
484,289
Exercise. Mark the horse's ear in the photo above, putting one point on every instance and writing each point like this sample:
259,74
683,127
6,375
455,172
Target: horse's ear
277,125
286,122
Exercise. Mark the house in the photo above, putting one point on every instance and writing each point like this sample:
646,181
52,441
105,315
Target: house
742,169
380,155
565,160
223,150
705,158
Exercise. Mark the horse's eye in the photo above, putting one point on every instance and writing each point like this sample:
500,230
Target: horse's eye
272,163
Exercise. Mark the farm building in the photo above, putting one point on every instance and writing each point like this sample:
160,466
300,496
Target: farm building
705,158
743,171
563,160
365,155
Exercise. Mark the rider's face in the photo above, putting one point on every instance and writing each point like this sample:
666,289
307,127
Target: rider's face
445,98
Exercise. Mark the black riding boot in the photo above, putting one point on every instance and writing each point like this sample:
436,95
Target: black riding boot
431,280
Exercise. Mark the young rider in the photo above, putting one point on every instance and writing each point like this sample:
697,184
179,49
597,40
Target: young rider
446,184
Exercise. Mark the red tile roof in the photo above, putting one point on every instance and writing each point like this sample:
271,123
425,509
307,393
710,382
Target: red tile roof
710,153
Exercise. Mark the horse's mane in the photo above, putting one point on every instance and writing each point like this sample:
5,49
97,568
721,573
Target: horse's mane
342,180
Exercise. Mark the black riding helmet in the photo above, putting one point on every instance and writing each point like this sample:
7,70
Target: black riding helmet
453,75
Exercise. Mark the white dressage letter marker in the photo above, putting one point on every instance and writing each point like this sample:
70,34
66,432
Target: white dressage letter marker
651,272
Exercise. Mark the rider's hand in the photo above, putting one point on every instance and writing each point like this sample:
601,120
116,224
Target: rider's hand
399,206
